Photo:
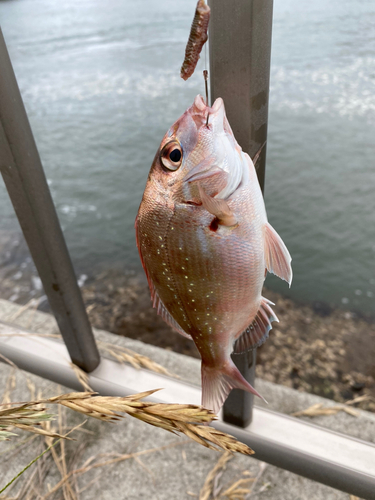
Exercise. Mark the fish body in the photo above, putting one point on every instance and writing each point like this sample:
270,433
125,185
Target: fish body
205,244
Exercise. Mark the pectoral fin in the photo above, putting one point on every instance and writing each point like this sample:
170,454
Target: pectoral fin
277,257
219,208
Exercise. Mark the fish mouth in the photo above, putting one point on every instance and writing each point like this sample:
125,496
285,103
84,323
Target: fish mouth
202,108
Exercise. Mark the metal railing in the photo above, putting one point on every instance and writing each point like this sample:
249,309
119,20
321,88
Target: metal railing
240,48
28,190
240,58
339,461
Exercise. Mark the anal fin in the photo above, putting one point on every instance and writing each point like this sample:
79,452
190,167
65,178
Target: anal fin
277,257
257,333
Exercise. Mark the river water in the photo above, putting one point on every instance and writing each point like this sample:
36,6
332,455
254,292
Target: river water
100,81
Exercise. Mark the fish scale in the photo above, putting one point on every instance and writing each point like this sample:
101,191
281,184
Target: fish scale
205,244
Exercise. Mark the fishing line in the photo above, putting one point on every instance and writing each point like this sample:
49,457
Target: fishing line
205,72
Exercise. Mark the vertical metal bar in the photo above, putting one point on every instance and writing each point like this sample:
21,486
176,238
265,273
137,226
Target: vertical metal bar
240,53
25,181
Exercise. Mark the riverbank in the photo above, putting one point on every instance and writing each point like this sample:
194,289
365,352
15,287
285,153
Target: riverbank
315,348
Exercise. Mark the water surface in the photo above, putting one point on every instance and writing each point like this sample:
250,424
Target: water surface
100,81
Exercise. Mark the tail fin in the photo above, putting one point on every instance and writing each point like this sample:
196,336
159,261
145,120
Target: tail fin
218,382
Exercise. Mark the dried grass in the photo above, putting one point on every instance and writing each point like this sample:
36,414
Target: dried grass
318,410
82,377
177,418
27,417
124,355
32,303
60,461
238,489
94,463
262,468
360,399
19,497
10,385
210,484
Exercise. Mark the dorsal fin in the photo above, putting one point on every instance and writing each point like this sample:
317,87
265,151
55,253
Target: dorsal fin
256,333
276,254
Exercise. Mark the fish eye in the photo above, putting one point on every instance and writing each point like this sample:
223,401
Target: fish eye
171,155
175,155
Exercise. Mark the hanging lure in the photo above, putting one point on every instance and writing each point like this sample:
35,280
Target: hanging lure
198,37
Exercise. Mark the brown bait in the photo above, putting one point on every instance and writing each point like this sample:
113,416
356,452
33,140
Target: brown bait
198,37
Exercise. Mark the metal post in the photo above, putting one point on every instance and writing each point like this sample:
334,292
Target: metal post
240,53
25,181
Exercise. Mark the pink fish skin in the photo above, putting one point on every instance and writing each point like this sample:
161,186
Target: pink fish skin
206,245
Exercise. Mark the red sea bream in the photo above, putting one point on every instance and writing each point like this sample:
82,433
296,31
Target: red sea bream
206,245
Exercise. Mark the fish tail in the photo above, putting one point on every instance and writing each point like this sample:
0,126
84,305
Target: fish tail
218,382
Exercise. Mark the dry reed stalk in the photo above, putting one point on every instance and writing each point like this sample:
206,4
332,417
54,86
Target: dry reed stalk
208,487
34,308
86,468
16,448
22,309
360,399
82,377
124,355
172,417
10,385
262,468
239,490
32,486
31,386
60,461
40,420
10,484
25,417
8,361
319,410
176,418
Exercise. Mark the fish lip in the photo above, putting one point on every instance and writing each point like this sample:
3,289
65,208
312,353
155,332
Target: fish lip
217,105
201,105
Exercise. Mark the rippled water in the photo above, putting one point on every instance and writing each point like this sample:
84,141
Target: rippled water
101,85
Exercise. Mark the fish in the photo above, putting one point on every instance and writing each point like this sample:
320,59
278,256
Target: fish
197,38
206,245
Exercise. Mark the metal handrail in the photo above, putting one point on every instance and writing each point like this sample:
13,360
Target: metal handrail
28,190
326,456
